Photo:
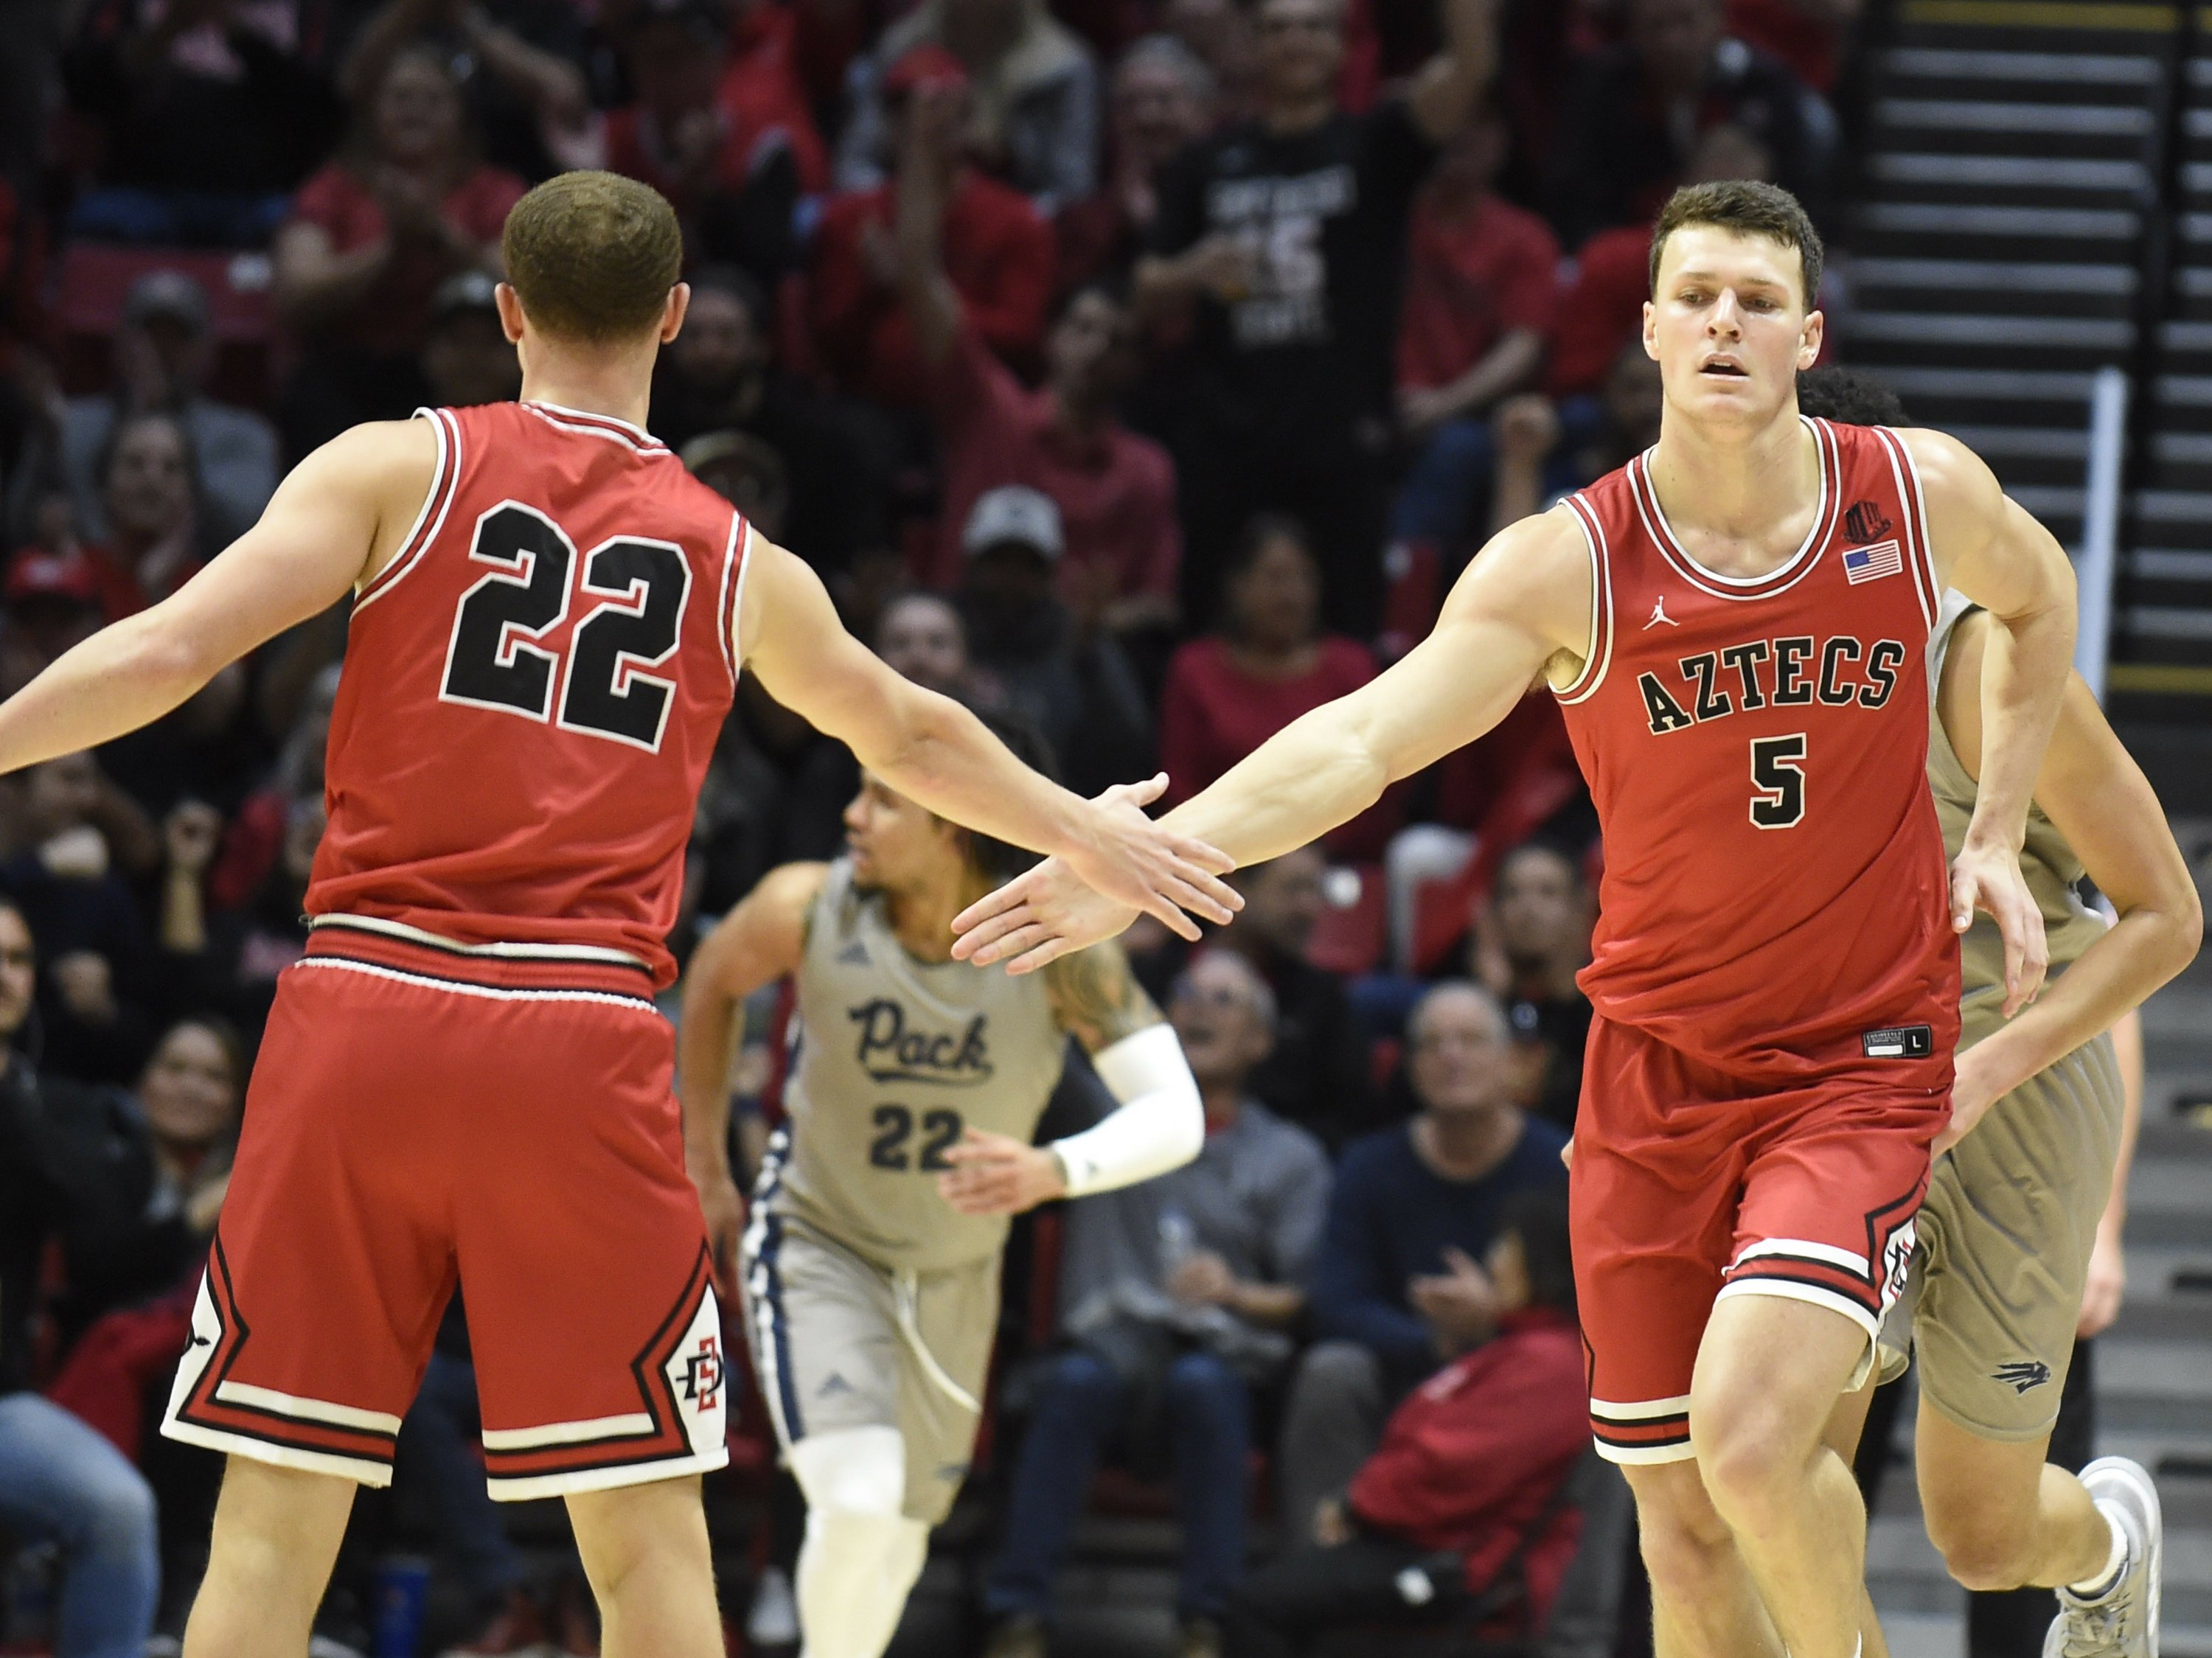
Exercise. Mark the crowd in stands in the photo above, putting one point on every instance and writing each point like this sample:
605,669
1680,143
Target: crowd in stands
1143,368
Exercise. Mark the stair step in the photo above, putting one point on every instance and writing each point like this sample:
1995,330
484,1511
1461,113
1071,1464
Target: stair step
2078,223
2103,335
2129,180
2021,276
2043,119
1930,63
2023,442
2166,623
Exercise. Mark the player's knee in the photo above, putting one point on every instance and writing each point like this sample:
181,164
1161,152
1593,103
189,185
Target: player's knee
1683,1539
1753,1458
1982,1556
853,1470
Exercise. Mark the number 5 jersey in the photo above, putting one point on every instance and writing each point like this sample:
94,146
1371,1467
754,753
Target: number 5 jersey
536,684
1774,901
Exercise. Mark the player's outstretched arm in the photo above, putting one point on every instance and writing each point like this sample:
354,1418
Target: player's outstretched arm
758,942
343,506
1524,599
1158,1122
1994,551
2092,789
936,752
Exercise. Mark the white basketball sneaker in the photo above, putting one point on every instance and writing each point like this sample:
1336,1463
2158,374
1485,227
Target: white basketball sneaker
2122,1621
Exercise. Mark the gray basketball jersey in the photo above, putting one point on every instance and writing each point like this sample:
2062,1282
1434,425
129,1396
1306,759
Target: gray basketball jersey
2046,862
896,1059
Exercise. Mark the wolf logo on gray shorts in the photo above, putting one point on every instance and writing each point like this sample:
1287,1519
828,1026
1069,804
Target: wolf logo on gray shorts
839,1341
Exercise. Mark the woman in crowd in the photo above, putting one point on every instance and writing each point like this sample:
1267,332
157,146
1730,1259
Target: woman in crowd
371,236
1227,694
60,1481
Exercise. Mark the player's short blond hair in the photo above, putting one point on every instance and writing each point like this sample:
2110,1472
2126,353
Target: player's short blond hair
592,256
1749,207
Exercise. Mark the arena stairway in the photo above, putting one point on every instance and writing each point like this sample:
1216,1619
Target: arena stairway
2162,663
1996,236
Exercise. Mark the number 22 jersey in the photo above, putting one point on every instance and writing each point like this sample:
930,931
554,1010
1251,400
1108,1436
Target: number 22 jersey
534,685
1774,901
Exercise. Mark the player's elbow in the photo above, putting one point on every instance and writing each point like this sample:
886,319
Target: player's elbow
161,651
2181,916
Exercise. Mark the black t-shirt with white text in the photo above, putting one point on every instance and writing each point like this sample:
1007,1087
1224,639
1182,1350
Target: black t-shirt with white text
1324,213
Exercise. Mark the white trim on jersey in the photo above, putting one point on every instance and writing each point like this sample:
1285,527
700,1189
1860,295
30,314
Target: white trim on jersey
487,992
527,1488
1813,1294
445,488
726,620
360,1470
567,1433
583,423
1925,582
1799,565
1641,1456
733,619
345,919
1599,657
305,1410
1848,1260
1641,1410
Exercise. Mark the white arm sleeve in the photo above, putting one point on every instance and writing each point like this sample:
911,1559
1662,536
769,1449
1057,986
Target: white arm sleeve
1161,1123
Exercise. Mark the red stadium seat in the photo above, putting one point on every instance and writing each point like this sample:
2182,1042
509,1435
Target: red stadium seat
92,279
1352,934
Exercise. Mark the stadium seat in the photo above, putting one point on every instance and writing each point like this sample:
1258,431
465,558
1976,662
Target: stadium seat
1353,932
95,278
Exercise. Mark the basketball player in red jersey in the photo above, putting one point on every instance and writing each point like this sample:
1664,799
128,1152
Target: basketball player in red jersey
466,1079
1733,625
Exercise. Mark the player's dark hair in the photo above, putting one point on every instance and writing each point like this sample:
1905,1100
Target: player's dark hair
1748,207
998,859
1852,396
592,256
1538,1218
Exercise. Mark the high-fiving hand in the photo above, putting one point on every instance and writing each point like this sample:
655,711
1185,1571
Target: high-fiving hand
1130,865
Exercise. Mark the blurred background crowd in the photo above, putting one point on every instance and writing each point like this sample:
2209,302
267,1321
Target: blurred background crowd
1143,369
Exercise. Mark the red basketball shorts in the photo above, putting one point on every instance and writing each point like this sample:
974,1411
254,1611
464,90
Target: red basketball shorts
1690,1184
422,1116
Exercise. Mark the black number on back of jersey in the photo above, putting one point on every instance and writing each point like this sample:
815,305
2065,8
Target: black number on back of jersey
941,1132
489,662
1777,781
493,662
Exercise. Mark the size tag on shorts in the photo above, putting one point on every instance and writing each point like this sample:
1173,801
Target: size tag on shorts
1903,1041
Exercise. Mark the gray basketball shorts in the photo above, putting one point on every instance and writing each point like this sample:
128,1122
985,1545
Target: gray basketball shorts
840,1342
2005,1237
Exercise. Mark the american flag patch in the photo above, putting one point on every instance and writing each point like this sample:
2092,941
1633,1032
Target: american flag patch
1866,563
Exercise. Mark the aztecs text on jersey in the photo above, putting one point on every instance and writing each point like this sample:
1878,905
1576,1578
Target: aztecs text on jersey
1775,885
533,689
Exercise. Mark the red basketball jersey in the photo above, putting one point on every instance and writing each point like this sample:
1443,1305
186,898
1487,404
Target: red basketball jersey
533,689
1774,893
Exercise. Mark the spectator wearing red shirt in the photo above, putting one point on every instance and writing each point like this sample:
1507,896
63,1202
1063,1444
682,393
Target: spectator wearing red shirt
732,149
997,254
1116,491
1228,693
1162,99
370,238
149,488
1462,1484
1806,34
1481,282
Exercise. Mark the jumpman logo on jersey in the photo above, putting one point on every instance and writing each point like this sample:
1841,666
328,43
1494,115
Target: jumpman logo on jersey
1659,615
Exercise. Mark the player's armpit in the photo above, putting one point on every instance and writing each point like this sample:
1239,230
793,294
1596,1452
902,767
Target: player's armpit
1096,999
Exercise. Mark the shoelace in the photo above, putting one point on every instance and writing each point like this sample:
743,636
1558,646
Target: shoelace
2094,1631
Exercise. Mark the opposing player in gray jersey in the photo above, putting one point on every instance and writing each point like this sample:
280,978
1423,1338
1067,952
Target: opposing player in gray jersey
870,1268
2038,1119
